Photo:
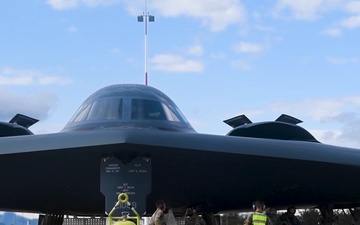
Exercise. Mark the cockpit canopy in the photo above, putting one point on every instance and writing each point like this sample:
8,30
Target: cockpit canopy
129,105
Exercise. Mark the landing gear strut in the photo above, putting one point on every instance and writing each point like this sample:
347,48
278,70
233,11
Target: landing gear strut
327,214
355,214
51,219
211,219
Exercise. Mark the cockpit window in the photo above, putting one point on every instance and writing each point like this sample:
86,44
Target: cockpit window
128,106
147,110
173,114
142,109
103,109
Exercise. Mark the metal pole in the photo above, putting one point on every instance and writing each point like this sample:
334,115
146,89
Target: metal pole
146,17
145,42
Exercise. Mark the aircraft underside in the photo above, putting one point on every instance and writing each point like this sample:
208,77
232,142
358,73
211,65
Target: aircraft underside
217,181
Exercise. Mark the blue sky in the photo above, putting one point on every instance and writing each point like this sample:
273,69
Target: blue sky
215,58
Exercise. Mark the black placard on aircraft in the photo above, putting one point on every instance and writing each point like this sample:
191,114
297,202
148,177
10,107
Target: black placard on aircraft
133,179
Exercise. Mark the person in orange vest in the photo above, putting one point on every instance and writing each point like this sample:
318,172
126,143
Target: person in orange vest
258,217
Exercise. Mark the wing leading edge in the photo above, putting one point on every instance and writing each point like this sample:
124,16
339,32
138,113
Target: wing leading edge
210,169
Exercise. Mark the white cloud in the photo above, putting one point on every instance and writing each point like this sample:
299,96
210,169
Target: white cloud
353,7
9,76
349,133
215,14
175,63
343,111
312,9
47,127
340,61
317,109
323,109
351,22
94,3
63,4
22,80
305,9
196,50
246,47
48,80
334,32
353,99
331,137
71,4
37,105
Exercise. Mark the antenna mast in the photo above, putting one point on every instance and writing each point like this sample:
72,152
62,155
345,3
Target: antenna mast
145,17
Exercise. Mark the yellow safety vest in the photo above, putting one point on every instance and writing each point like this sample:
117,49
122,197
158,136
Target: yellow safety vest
259,219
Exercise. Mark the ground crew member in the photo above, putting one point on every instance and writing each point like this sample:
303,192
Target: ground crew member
289,217
158,217
192,218
272,214
258,217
